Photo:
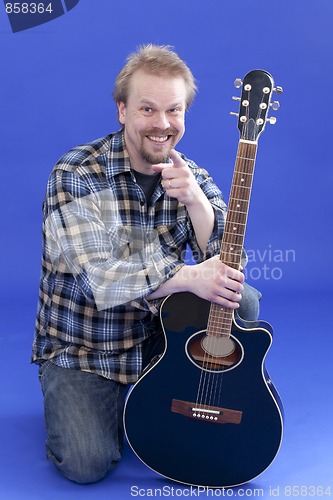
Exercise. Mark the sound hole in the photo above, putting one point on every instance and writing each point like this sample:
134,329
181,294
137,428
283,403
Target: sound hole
214,353
218,346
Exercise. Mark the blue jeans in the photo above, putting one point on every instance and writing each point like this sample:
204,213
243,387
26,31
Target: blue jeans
83,411
83,417
249,305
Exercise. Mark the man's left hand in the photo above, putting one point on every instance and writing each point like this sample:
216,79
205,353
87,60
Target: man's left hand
177,180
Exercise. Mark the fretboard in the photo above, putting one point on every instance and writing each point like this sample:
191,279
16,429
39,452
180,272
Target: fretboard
220,318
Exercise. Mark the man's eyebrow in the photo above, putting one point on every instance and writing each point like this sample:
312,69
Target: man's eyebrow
147,102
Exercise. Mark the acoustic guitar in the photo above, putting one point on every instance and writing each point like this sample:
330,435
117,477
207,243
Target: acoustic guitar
207,413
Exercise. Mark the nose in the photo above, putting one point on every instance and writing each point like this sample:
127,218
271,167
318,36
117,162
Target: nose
161,121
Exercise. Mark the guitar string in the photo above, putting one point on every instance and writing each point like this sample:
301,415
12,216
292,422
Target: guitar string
216,381
211,379
207,373
203,377
210,385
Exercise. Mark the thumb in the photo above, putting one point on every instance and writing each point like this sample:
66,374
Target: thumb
160,166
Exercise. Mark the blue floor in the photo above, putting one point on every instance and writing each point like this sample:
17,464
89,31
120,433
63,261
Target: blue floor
300,364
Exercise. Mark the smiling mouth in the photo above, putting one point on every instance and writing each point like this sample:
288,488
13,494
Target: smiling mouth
160,136
158,139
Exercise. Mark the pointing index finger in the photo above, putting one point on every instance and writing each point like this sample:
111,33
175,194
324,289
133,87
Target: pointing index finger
176,159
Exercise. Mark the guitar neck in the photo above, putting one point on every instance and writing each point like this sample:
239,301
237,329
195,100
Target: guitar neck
220,318
238,207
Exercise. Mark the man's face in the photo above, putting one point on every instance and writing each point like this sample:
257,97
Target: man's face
153,118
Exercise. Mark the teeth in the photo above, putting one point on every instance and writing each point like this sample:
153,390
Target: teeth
158,139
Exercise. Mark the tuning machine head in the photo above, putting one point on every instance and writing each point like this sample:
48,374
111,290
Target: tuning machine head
271,120
275,105
238,83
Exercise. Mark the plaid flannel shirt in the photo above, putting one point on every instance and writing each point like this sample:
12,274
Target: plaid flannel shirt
104,251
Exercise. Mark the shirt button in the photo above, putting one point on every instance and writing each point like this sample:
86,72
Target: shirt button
142,203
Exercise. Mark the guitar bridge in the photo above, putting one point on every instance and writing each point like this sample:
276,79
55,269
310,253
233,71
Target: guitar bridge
211,414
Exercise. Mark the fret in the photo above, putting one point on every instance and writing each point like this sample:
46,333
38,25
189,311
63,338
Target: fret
219,321
243,179
229,244
239,170
242,173
234,198
231,223
233,233
232,258
219,324
245,158
247,175
213,329
237,186
216,308
221,329
236,212
234,226
218,330
244,168
231,249
241,186
220,333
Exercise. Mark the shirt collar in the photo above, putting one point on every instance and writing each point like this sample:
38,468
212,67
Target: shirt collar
118,160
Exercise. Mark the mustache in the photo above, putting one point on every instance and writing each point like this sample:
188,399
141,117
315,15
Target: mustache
159,132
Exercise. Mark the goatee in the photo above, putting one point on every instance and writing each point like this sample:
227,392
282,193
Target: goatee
154,159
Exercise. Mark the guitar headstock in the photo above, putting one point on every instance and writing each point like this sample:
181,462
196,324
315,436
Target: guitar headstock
255,101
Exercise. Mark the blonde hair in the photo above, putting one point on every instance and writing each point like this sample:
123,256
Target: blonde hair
154,60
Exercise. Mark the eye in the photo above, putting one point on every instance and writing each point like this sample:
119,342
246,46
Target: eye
175,111
147,110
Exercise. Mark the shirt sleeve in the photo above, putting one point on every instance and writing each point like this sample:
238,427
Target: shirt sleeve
215,197
112,264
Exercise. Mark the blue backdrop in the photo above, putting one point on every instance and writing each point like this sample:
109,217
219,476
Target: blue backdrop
56,85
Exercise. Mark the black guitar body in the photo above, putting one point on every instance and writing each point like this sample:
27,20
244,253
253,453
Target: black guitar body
239,434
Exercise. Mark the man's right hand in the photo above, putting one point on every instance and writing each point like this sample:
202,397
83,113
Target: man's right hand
211,280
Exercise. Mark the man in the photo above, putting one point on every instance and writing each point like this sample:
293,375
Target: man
118,215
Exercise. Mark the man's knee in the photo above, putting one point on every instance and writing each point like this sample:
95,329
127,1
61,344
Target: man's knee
83,466
83,422
249,305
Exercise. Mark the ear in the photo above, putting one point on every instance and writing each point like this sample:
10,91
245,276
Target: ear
121,112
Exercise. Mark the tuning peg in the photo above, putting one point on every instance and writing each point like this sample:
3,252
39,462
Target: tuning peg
236,98
278,89
272,120
234,114
238,83
275,105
